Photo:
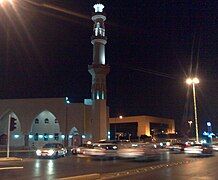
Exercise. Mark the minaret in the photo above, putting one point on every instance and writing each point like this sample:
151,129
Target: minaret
99,71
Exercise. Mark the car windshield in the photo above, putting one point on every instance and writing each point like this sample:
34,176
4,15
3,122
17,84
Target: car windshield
52,146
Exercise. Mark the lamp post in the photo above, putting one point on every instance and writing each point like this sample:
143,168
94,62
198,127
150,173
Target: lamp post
190,123
115,128
66,120
193,81
209,129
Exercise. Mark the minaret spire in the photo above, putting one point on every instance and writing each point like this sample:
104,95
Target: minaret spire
99,70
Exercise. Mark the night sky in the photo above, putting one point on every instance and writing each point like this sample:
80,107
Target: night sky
152,47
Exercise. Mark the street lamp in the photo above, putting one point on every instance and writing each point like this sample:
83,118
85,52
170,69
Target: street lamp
190,123
115,128
193,81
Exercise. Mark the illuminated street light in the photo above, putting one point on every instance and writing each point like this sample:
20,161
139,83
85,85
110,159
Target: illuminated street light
190,123
115,128
193,81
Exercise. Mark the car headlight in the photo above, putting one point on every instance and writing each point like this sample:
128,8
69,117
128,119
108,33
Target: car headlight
38,152
78,150
51,152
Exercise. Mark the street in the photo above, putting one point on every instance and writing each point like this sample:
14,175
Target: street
171,166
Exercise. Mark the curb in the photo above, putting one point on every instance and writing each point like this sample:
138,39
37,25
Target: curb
83,177
10,159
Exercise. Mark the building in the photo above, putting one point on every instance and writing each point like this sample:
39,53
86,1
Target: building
137,126
38,121
42,120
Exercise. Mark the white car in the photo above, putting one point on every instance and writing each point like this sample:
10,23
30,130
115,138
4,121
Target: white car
102,151
140,154
199,150
51,150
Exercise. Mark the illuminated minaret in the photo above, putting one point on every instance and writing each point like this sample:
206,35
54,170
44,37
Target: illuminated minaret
99,71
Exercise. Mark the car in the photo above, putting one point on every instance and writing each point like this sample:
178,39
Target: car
81,149
102,151
52,150
140,153
178,147
199,150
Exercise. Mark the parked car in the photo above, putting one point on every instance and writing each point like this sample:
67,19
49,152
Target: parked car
51,150
199,150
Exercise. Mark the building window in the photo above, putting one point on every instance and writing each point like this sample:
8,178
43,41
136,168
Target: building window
46,121
36,137
56,121
45,137
56,136
36,121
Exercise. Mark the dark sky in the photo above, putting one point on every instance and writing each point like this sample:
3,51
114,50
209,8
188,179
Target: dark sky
152,47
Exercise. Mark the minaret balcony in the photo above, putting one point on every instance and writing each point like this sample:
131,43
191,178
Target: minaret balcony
98,15
99,37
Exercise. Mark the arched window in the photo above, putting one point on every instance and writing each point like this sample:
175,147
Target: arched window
36,121
46,120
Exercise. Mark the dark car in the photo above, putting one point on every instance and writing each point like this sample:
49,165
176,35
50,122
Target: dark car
178,147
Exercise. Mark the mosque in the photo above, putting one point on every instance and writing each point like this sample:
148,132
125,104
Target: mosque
35,122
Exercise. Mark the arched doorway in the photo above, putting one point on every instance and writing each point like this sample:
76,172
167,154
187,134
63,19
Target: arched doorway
45,129
74,138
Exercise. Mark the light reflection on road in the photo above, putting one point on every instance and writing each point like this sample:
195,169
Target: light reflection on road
50,167
43,167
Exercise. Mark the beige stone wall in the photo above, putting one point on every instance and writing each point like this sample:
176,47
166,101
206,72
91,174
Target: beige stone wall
72,115
144,123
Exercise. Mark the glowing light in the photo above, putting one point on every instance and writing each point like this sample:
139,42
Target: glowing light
209,124
121,117
89,142
98,7
50,136
195,80
40,136
97,95
16,136
83,136
70,136
192,81
114,147
168,143
30,136
51,152
67,100
38,152
63,136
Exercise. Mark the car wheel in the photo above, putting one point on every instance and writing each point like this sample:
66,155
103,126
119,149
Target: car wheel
56,155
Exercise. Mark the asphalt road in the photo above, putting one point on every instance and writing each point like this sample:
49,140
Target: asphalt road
171,166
